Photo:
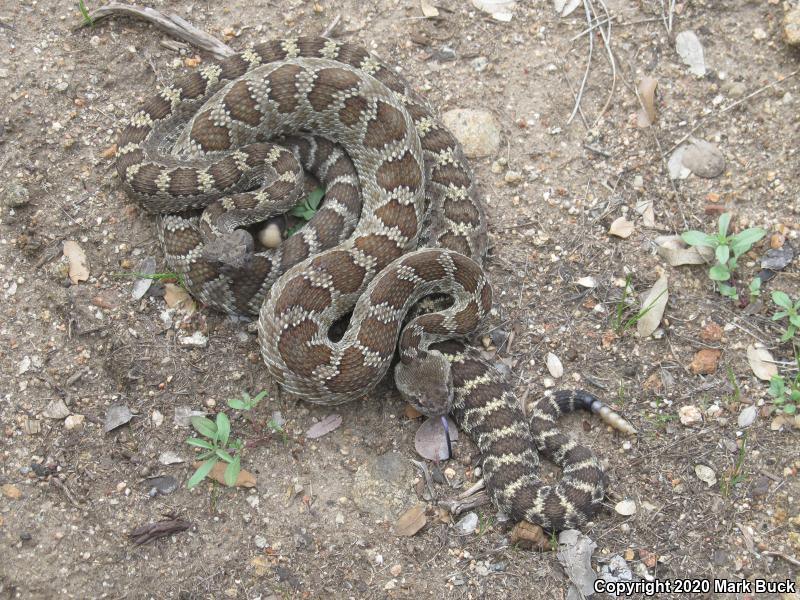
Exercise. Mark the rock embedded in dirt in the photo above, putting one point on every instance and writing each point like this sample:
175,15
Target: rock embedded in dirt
705,361
791,26
476,130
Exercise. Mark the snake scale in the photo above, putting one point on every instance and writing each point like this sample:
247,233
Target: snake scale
401,221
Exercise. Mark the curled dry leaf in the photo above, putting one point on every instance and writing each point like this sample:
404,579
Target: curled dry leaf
653,307
217,473
324,426
647,94
178,298
673,249
705,474
565,7
430,441
621,228
428,9
626,508
78,271
690,50
528,535
761,362
501,10
703,159
554,365
411,521
747,417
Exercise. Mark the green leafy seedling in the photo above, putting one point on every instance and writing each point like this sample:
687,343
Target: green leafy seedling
307,208
786,398
246,402
727,250
217,446
755,289
790,310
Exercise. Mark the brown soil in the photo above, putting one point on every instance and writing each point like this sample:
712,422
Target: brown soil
323,510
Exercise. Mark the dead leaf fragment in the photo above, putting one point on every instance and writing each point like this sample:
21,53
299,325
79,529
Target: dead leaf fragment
428,9
626,508
411,521
324,426
705,474
690,50
217,473
703,159
528,535
761,362
621,228
705,361
647,94
178,298
673,249
554,365
430,441
654,304
501,10
78,271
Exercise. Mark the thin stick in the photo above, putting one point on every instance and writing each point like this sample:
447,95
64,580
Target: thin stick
333,25
785,557
173,24
579,95
607,42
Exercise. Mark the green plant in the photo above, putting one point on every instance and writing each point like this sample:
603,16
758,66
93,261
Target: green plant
790,310
276,427
737,392
307,208
755,289
246,402
621,327
736,474
217,446
154,276
87,19
727,250
485,523
786,398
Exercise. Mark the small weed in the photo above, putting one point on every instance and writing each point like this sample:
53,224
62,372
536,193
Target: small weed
485,523
246,402
621,326
785,397
727,250
276,427
87,19
790,310
306,209
218,447
755,289
735,476
737,392
553,541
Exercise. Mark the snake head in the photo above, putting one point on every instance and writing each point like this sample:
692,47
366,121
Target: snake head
426,383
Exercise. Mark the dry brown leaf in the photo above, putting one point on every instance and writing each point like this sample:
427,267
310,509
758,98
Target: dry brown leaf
761,362
411,521
676,253
654,304
78,271
647,94
178,298
217,473
428,9
621,228
528,535
324,426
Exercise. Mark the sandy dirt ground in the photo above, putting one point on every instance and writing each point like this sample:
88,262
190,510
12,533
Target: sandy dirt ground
320,521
